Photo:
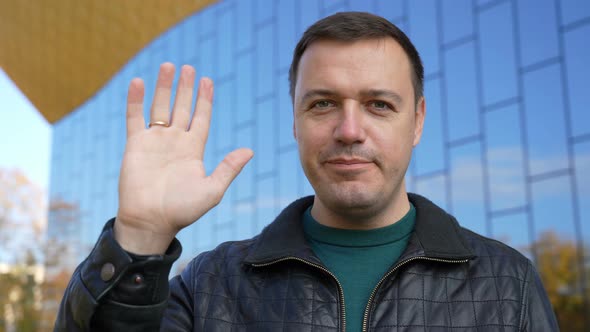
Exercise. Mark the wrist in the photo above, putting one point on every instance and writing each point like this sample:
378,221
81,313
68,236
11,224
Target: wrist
141,241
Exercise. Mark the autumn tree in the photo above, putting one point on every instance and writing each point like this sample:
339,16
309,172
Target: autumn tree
565,274
35,263
23,215
22,222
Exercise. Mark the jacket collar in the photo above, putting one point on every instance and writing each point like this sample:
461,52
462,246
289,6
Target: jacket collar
436,234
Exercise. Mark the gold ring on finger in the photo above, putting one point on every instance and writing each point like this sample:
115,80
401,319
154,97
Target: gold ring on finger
158,123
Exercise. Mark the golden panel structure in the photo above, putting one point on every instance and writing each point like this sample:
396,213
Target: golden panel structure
61,52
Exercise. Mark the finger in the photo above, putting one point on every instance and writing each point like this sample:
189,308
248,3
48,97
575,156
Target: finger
202,117
181,112
135,120
160,110
230,167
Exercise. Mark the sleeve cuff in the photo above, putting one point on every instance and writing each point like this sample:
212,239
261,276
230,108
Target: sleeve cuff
111,272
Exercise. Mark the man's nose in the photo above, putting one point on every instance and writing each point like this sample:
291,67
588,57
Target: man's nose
350,128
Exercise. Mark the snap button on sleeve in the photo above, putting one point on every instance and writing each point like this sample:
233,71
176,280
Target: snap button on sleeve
138,279
107,272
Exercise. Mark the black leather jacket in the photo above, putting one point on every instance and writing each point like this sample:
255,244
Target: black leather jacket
448,279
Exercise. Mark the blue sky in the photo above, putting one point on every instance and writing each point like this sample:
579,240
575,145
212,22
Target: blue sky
25,141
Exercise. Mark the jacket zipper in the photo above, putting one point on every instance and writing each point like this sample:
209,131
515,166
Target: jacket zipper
340,289
366,315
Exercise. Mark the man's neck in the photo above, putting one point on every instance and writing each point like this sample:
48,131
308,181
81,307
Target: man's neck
370,218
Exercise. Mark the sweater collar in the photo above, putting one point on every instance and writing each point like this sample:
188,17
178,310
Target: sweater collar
359,238
436,234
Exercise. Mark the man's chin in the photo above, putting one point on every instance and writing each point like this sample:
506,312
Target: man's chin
350,199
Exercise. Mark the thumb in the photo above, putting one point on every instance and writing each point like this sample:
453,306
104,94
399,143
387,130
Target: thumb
230,167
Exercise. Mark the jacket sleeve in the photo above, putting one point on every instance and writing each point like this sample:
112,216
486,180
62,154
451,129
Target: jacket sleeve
113,290
537,314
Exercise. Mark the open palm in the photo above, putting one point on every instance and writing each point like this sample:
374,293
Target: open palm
163,186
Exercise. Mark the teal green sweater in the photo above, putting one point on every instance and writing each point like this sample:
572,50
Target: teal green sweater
358,258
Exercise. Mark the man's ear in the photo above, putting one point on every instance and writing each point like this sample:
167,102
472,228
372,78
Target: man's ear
294,131
419,120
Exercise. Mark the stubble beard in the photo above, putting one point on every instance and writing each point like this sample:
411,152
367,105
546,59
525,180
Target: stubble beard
365,203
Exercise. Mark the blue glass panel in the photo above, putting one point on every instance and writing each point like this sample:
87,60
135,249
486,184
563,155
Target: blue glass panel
200,234
244,91
424,33
430,153
244,219
552,207
207,59
545,127
434,188
512,229
190,38
577,53
223,114
334,10
226,42
224,233
574,10
361,6
266,203
265,64
174,52
224,209
189,244
457,18
285,113
467,192
264,10
497,54
206,19
538,32
582,165
462,103
244,183
505,159
309,13
287,37
245,24
288,165
326,5
265,140
392,10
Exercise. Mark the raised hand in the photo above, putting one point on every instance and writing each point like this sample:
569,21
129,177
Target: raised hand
163,186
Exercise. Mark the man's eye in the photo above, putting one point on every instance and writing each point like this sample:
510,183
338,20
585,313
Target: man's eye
323,104
381,105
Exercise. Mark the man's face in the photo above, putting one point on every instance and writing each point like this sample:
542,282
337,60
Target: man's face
356,122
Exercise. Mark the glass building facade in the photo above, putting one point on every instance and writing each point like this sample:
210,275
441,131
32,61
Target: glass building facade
506,144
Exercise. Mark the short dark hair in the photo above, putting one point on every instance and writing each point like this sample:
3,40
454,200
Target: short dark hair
354,26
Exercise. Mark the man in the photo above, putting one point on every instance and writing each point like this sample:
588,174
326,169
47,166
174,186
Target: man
362,254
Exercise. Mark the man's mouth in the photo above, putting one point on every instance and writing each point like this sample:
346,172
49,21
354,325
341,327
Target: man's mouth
348,161
348,164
